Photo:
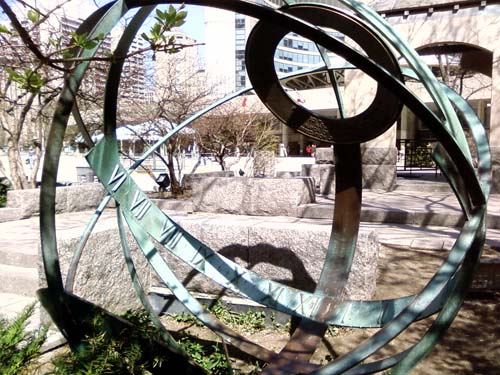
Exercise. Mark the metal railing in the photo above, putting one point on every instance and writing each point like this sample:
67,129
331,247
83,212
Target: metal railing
415,156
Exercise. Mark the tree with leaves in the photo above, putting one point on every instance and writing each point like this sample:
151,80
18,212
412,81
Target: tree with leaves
181,90
235,130
37,54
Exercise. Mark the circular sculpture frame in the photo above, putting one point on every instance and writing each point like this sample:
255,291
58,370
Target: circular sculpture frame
151,228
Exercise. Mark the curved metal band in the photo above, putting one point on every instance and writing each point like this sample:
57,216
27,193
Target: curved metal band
376,119
446,286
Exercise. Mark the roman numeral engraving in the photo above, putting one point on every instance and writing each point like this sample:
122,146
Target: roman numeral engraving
168,230
118,177
307,305
272,297
140,205
234,280
198,260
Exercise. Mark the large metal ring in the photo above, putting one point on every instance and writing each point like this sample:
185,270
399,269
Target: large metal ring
376,119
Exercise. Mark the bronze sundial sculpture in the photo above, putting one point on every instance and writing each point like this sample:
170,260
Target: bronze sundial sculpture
151,228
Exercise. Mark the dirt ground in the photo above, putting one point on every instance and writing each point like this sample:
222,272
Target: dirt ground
470,347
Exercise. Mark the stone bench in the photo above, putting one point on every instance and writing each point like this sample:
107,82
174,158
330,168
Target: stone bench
68,199
189,178
281,250
252,196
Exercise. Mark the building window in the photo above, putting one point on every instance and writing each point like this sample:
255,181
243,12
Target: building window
240,23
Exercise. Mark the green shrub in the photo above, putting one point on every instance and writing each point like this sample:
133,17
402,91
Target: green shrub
126,354
212,359
19,349
4,186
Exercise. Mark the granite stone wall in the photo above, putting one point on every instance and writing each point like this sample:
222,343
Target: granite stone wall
252,196
288,252
22,204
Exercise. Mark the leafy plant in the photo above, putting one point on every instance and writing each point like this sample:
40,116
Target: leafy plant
4,186
83,41
28,79
33,15
18,348
125,354
4,29
249,321
186,318
158,37
211,359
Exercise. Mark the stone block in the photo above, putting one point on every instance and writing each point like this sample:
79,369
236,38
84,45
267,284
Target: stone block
379,155
253,196
324,155
83,197
12,214
68,199
27,200
280,250
326,179
294,255
102,275
189,178
379,177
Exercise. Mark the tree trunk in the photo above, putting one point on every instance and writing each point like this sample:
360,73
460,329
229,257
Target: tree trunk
175,186
17,174
221,161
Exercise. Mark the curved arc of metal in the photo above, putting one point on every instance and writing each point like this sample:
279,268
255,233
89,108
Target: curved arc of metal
139,290
452,305
110,106
365,64
380,114
463,277
450,308
53,151
162,269
422,301
381,27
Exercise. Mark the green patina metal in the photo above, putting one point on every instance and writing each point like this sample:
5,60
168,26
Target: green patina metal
153,229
